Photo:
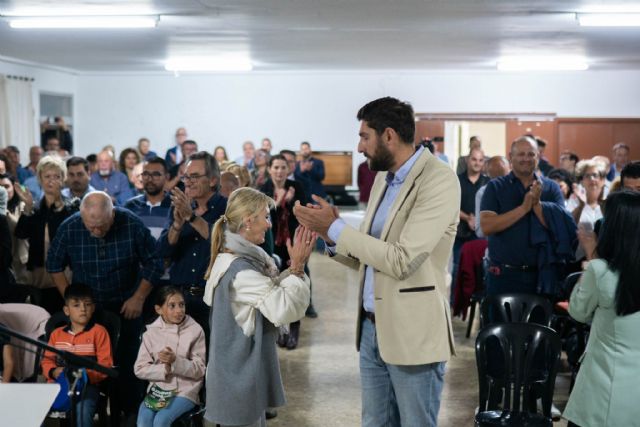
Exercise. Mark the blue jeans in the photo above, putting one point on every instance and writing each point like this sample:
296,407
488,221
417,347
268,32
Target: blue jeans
394,395
86,408
164,417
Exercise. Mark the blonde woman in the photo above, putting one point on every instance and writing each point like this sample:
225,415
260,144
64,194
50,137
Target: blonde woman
39,223
250,299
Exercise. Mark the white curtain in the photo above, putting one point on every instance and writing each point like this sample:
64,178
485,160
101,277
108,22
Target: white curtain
17,126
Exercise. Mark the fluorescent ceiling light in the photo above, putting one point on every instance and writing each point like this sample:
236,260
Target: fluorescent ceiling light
609,19
87,22
542,63
217,63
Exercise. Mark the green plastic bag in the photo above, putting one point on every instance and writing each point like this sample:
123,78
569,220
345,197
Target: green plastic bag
158,398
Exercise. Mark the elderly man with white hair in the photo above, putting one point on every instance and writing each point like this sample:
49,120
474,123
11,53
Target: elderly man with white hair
111,250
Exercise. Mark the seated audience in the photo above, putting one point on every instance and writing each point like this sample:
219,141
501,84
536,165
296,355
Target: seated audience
35,154
113,182
568,161
242,173
266,145
144,149
249,301
172,358
630,176
78,177
84,337
608,296
29,320
93,163
39,223
185,242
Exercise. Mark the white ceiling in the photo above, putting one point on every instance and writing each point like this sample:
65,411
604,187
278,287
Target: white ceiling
301,35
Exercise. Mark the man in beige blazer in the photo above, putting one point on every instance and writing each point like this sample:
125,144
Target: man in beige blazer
402,249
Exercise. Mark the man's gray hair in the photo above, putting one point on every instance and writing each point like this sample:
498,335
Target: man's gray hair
211,168
97,199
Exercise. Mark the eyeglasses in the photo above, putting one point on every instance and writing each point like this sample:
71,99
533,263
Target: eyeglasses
147,175
48,177
592,176
192,178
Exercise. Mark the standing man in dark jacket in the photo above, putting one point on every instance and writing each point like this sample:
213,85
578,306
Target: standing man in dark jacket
310,171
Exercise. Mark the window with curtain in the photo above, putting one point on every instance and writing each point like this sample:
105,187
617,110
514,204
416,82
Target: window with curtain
17,126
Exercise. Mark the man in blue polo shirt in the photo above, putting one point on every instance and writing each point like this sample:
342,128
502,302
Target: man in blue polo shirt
509,206
154,205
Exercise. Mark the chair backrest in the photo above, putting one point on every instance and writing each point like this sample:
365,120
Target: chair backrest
508,308
567,286
530,354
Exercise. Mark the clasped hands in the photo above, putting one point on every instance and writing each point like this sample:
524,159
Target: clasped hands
167,356
182,210
532,197
317,218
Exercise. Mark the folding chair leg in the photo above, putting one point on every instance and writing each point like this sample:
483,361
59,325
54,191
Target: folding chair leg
472,313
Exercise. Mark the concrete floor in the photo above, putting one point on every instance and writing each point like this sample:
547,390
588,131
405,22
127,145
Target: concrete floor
321,377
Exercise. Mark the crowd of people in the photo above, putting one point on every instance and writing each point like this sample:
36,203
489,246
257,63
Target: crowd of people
133,237
204,261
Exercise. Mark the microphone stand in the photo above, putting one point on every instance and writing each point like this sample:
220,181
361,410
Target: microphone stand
72,361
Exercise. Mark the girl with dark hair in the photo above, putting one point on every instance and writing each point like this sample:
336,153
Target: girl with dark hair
172,358
608,295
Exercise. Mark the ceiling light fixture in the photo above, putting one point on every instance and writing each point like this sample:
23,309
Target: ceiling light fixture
542,63
218,63
83,22
608,19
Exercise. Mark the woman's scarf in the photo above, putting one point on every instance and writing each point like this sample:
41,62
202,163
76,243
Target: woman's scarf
240,246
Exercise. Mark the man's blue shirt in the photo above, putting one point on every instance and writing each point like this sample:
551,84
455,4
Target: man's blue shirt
513,245
154,217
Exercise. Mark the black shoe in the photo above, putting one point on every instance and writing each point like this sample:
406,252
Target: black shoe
282,340
294,332
311,312
271,413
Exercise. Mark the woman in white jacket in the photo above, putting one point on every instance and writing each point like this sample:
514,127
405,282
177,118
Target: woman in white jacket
172,358
249,301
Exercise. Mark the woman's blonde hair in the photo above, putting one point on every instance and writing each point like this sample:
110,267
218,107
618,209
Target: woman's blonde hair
51,162
243,202
242,173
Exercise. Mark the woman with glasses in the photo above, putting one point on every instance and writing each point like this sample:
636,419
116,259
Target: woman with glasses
39,223
589,197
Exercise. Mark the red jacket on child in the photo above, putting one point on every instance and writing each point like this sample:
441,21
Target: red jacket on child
93,343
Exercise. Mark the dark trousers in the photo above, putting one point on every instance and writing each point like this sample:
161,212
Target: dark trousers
502,280
130,389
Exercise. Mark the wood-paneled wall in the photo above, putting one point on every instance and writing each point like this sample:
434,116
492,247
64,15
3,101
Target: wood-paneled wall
589,137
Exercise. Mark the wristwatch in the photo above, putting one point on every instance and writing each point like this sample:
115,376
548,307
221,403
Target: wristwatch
192,217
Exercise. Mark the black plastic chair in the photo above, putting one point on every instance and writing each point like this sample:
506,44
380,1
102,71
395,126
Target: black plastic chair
111,323
509,308
522,378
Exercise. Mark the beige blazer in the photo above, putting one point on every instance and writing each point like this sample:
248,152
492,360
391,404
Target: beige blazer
413,321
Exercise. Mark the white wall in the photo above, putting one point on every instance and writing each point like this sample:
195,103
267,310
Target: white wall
320,107
45,80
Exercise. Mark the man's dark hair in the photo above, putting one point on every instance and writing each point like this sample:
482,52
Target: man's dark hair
541,142
190,141
211,168
13,148
305,143
277,157
75,161
391,113
77,291
572,156
290,152
621,248
631,170
92,158
157,161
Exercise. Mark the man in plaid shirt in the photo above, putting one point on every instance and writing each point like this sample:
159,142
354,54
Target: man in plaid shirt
112,251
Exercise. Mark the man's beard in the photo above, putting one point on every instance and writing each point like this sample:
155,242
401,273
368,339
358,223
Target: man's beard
382,159
104,172
152,190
